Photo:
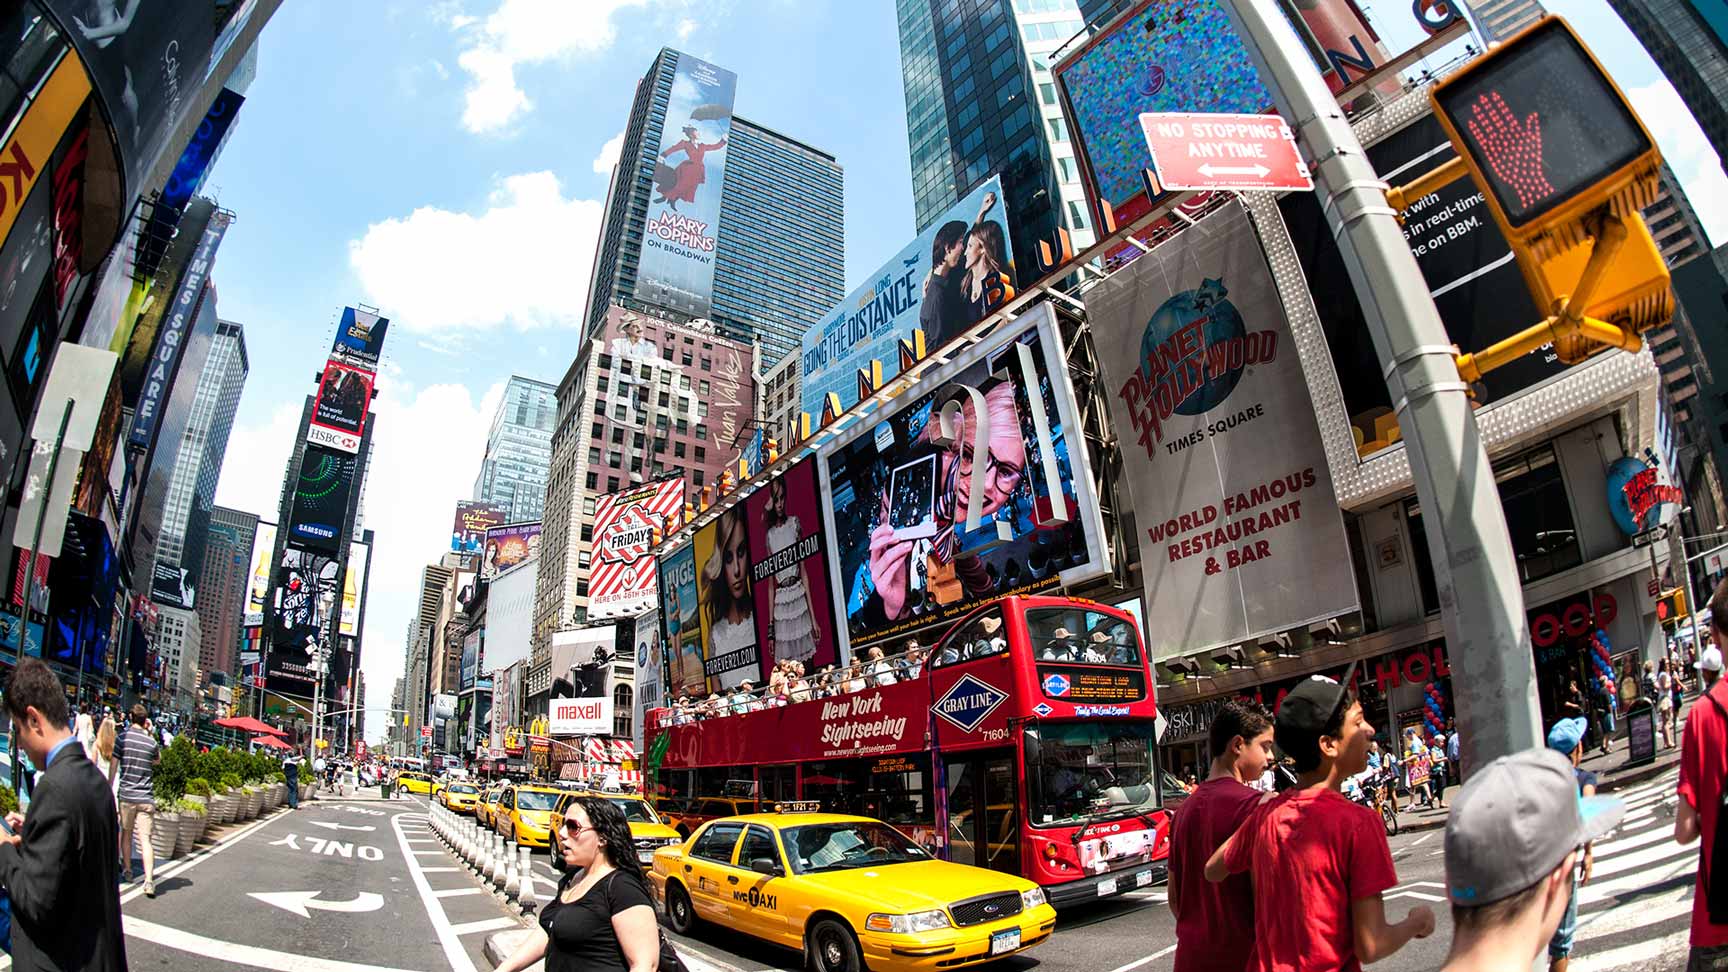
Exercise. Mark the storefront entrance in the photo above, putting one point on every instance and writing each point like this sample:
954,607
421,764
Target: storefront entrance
982,829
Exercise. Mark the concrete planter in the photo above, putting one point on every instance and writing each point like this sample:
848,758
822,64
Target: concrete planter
202,819
222,808
187,833
251,798
164,833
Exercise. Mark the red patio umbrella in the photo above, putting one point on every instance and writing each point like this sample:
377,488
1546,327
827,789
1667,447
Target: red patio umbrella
248,724
270,741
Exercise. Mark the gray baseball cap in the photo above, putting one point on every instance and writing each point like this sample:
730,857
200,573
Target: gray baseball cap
1516,820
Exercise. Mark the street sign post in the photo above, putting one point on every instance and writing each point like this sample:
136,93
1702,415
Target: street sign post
1194,150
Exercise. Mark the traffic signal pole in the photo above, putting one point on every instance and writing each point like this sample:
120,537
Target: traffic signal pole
1481,602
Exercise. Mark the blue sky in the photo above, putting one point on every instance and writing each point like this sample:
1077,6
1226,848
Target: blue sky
446,162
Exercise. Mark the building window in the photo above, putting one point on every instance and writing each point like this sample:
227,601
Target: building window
702,387
1047,92
623,705
594,454
678,449
701,455
611,484
599,430
587,530
1066,164
1076,215
593,481
685,357
707,363
614,458
1058,129
617,436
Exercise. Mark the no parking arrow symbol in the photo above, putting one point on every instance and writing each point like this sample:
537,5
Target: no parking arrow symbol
299,901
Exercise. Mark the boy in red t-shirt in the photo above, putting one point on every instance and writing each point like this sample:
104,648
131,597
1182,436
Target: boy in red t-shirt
1703,766
1215,922
1313,846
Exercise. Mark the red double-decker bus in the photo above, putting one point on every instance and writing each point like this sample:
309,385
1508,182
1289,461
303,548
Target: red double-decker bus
1024,744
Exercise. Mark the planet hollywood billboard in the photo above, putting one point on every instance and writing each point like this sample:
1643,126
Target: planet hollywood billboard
1240,534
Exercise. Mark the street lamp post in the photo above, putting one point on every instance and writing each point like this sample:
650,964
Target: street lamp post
1481,603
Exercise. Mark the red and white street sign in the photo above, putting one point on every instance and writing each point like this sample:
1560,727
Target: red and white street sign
426,732
1191,150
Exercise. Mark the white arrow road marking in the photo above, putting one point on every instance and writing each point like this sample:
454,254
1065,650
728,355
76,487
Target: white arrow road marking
1409,891
1257,171
337,826
299,901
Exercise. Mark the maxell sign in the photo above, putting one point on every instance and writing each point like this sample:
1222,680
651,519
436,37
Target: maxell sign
165,359
580,717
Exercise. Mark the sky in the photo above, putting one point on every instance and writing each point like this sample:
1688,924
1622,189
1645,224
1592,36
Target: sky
447,163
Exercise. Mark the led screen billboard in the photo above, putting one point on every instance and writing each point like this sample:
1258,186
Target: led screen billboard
360,338
258,574
507,546
943,282
907,551
194,164
621,579
305,593
354,588
321,498
473,519
339,411
678,238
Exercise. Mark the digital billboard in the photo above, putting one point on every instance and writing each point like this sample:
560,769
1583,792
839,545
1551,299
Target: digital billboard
920,536
339,411
473,519
471,658
507,546
194,164
354,588
679,236
321,498
258,574
1240,532
305,594
360,339
789,570
682,624
621,579
943,282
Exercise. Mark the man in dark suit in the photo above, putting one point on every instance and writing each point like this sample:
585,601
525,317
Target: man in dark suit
59,862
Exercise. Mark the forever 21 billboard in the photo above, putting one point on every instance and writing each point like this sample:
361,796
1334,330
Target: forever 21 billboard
321,496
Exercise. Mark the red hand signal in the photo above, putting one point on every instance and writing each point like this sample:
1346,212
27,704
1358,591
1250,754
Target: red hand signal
1512,149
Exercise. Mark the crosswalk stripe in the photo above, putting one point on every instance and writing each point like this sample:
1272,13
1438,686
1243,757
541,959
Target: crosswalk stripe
1640,914
1659,853
1602,890
1627,840
485,925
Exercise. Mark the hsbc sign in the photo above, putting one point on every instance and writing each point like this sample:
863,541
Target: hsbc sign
580,717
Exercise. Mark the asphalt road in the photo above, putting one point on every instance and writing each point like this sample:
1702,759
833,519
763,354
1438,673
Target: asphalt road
315,890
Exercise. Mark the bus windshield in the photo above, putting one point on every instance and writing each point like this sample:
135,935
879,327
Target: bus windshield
1090,770
1077,634
854,843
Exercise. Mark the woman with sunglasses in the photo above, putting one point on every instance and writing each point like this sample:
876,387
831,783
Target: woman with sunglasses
602,918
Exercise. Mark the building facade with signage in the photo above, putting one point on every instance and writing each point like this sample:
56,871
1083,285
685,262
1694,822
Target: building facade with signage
519,450
222,588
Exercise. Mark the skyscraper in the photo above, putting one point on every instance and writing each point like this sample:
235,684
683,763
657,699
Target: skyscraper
518,450
222,588
777,262
980,100
197,467
1688,40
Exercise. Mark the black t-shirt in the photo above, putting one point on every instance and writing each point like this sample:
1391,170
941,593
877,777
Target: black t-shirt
579,935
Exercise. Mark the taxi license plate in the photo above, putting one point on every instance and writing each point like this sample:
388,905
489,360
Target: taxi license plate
645,856
1106,887
1004,941
1142,878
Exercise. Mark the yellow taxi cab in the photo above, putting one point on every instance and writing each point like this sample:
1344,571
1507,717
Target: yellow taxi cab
849,892
412,782
461,797
486,809
648,831
685,816
523,813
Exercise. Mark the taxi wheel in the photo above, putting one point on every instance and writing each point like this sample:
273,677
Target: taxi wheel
833,949
679,911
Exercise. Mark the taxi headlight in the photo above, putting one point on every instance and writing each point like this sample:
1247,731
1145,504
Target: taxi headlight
918,921
1032,899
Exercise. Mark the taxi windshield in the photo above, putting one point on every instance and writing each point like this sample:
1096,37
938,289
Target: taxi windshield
534,800
464,788
636,811
815,848
1085,771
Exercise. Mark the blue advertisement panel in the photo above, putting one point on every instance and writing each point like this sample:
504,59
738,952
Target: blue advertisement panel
194,165
678,239
360,339
946,280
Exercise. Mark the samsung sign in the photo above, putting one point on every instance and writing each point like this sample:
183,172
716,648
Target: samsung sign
165,359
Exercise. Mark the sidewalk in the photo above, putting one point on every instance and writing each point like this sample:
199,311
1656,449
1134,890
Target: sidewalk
1611,771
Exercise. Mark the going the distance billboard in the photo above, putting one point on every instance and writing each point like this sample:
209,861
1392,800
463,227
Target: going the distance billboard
621,580
339,411
473,519
944,281
507,546
905,557
1240,533
258,574
321,498
354,588
678,238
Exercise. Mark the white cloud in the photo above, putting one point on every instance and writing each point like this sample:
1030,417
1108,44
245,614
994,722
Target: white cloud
1687,152
523,260
526,32
609,153
257,457
685,28
439,69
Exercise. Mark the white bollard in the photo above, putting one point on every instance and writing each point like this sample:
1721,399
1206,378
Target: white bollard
512,880
500,861
526,897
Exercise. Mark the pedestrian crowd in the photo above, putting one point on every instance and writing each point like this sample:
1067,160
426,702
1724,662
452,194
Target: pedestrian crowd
789,683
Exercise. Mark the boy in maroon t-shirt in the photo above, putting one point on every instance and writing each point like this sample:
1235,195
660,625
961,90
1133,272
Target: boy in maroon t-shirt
1215,922
1313,846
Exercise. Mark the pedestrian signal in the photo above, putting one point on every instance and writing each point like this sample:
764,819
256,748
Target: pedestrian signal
1671,606
1544,130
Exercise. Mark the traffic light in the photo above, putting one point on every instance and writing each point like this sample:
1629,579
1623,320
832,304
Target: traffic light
1565,166
1671,606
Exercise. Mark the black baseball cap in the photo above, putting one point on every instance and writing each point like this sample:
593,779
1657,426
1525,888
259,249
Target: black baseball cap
1305,713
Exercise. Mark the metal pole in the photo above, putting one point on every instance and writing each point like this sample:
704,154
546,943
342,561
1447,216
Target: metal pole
1481,603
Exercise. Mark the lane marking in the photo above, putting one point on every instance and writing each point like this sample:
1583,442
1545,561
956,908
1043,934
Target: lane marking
249,955
1139,962
485,925
453,950
455,892
1421,840
1636,954
186,863
439,870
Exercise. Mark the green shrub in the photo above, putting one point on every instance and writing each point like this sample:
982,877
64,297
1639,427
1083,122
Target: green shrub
8,799
191,806
305,775
178,764
231,781
198,786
